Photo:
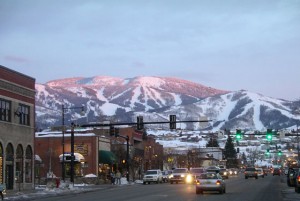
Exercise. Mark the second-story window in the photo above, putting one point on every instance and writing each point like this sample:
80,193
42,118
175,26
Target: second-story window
5,110
24,114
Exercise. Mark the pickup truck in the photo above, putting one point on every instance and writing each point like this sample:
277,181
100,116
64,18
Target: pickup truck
250,172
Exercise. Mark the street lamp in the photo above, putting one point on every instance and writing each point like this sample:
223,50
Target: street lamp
63,110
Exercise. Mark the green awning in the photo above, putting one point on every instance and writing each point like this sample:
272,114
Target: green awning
106,157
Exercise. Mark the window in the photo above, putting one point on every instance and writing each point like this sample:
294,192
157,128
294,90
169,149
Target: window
24,114
5,110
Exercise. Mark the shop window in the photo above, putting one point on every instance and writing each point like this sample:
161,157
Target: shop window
28,165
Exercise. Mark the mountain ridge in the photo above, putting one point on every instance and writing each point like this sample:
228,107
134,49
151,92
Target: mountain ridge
124,99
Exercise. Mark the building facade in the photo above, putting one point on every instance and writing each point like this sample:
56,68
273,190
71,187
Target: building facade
17,123
96,152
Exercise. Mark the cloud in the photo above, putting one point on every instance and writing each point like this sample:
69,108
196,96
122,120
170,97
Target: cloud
16,59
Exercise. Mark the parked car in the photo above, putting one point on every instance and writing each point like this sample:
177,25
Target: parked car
152,176
260,172
210,181
250,172
291,177
277,171
179,175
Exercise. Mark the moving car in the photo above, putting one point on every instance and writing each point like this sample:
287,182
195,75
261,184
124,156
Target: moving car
224,173
276,171
291,177
233,171
165,175
297,182
152,176
179,175
250,172
210,181
214,169
196,172
260,172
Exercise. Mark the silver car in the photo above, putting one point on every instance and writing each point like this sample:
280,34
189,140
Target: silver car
210,181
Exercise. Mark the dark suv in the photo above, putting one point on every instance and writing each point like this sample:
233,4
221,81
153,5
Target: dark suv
291,177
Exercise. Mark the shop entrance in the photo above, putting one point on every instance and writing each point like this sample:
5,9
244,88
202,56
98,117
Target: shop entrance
9,176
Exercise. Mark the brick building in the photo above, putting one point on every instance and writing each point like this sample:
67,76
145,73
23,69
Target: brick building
17,123
96,153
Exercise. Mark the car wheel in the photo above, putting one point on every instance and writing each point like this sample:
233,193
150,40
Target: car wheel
256,177
246,177
221,191
197,191
171,182
224,190
144,183
297,189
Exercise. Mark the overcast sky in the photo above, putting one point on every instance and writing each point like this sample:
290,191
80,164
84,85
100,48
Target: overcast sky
225,44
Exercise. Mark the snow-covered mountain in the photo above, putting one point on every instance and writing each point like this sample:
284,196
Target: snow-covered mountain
156,98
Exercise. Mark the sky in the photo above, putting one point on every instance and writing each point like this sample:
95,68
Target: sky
230,45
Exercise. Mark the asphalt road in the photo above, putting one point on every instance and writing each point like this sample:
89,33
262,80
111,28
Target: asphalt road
270,188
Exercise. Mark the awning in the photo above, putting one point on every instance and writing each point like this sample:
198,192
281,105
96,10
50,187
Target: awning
106,157
78,157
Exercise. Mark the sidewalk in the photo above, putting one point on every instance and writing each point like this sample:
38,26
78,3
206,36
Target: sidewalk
40,191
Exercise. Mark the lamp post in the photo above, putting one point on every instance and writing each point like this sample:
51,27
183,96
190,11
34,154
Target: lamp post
63,110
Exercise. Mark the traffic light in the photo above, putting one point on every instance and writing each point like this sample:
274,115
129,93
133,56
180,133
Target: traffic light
279,153
172,121
140,122
269,134
111,131
268,151
238,134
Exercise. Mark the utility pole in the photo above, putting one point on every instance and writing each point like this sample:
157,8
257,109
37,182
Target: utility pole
127,158
72,154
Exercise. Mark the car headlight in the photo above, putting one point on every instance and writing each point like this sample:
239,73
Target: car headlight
225,173
182,175
189,178
171,176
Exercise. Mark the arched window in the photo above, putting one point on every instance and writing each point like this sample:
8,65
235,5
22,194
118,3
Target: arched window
28,164
19,163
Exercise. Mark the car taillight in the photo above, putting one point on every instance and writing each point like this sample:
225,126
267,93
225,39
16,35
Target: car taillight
197,182
218,182
298,178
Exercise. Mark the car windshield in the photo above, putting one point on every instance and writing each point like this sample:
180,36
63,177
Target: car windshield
197,170
151,172
208,176
179,171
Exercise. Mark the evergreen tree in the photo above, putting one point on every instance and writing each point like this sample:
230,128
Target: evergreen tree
230,154
212,143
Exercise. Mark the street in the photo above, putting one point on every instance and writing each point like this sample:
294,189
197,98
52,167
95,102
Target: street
269,188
